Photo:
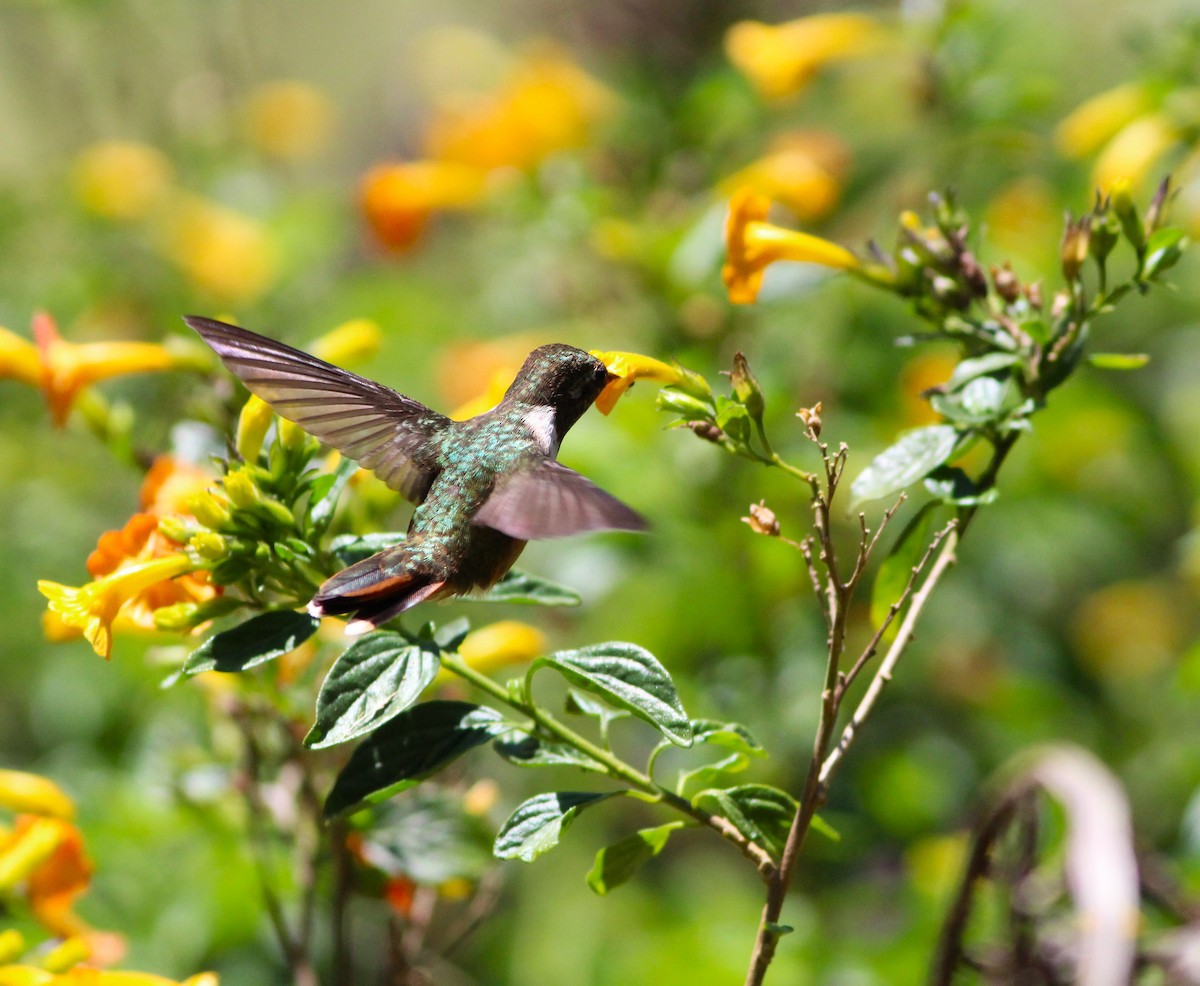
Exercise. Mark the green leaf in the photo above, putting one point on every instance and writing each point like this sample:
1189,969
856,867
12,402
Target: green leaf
710,774
730,735
407,749
615,864
351,548
628,677
983,397
1119,361
951,485
913,456
969,369
521,587
524,749
1163,250
824,828
581,704
260,639
375,678
538,823
326,490
761,813
896,570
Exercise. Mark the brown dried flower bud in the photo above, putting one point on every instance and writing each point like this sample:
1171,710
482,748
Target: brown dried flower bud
811,416
1034,293
762,520
1007,285
706,430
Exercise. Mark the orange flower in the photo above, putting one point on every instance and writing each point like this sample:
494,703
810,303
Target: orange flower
546,105
62,369
752,244
780,59
399,199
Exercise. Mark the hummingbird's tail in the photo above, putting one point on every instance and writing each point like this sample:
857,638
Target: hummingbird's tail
373,591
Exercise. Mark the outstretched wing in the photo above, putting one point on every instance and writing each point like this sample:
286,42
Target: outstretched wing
550,501
383,431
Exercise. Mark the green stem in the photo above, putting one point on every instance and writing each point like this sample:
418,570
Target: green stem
773,458
614,765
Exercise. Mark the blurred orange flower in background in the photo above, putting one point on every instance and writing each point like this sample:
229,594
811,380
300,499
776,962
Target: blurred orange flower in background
803,171
399,199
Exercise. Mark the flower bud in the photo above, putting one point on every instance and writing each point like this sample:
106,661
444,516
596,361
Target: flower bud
66,955
670,399
211,509
1075,247
177,618
253,422
291,435
209,546
243,493
746,388
176,528
1127,214
1005,282
707,430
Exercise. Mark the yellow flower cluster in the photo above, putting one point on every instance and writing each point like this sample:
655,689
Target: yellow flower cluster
43,864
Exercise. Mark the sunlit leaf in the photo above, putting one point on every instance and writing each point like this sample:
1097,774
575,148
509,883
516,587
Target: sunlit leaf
521,587
527,750
629,677
761,813
538,823
326,491
260,639
375,678
913,456
1119,361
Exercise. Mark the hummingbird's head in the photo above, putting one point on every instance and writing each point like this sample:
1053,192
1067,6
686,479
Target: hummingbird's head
562,377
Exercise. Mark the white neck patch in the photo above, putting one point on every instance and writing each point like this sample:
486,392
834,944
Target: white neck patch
540,422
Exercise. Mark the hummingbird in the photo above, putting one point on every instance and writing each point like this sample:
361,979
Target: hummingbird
482,487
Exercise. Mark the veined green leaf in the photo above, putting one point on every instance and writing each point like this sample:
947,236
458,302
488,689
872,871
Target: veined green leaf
538,823
969,369
912,457
761,813
326,491
351,548
527,750
730,735
407,749
260,639
615,864
375,678
629,677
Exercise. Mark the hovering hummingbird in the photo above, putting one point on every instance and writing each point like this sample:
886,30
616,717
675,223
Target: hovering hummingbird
483,487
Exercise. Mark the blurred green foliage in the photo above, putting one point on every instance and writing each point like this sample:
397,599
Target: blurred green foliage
1072,612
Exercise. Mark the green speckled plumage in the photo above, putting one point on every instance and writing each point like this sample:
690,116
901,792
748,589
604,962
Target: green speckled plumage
483,487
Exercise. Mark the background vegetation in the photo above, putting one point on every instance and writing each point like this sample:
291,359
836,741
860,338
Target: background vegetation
1071,614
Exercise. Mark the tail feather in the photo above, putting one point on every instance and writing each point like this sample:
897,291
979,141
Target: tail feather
373,591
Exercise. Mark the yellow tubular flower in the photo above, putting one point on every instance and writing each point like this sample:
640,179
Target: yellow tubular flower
803,172
628,368
351,342
398,200
1135,150
1093,123
29,846
19,359
67,367
121,180
289,120
253,421
34,795
28,975
751,244
93,607
779,60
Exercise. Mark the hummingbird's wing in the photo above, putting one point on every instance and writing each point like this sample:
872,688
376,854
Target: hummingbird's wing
380,429
550,501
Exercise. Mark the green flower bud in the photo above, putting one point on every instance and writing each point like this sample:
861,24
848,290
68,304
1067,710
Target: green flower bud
670,399
243,492
211,509
209,546
1127,213
176,528
177,618
746,388
253,423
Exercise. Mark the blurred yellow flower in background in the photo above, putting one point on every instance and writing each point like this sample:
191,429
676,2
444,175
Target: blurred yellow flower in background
351,342
752,244
1135,150
497,645
121,180
399,199
546,104
780,59
230,255
803,171
1094,122
288,119
32,794
1129,630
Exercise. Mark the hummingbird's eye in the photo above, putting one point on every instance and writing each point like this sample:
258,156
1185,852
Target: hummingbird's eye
600,374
